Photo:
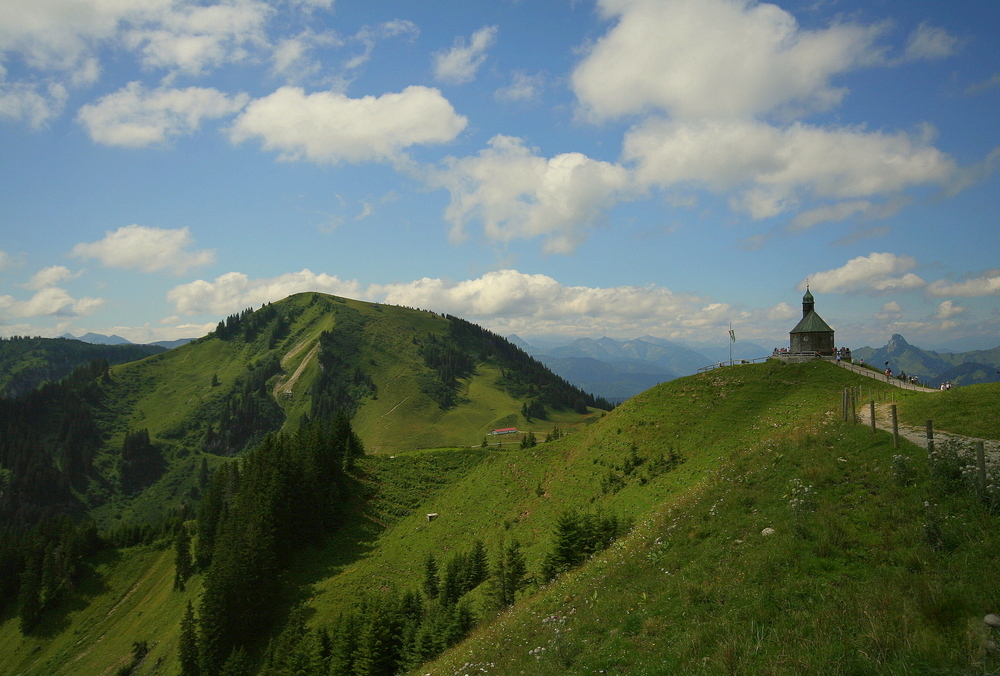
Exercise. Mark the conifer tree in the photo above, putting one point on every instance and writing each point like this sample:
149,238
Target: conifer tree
431,587
188,646
182,558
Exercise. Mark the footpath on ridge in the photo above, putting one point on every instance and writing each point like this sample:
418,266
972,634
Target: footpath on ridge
917,435
892,380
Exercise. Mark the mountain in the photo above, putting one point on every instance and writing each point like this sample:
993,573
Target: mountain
171,344
628,367
99,339
26,363
406,379
933,368
615,380
727,522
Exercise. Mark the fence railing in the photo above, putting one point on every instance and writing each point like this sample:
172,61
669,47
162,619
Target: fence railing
732,362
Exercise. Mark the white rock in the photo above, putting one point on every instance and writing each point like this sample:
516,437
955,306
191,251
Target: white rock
992,620
767,531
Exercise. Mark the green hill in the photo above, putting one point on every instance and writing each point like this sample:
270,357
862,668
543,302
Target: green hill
880,561
26,363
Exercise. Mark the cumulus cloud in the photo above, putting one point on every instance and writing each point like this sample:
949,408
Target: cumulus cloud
65,36
235,291
27,102
891,311
134,117
459,64
877,272
948,309
986,284
191,38
147,249
517,194
715,58
5,260
771,170
50,276
512,301
329,127
781,311
51,301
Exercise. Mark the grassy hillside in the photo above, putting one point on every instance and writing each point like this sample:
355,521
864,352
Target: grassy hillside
26,363
877,565
305,357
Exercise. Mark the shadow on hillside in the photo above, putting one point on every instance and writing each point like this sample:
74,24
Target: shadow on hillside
56,619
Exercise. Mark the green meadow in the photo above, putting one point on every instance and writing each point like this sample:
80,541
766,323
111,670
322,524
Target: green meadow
768,537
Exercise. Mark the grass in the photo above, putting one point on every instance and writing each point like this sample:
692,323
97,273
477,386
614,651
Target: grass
850,582
973,410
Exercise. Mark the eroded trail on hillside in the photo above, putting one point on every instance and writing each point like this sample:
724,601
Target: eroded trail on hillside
285,386
918,435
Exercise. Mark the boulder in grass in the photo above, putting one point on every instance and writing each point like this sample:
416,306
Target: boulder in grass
992,620
770,531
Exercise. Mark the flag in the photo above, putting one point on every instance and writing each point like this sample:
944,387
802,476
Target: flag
732,336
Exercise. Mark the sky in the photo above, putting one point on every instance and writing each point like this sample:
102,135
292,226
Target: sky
545,168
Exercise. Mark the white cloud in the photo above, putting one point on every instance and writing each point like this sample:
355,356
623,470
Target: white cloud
191,38
368,36
511,301
781,311
5,260
987,284
48,302
516,194
523,87
891,311
771,170
928,42
235,291
24,101
135,117
50,276
147,249
329,127
715,58
881,272
947,309
460,63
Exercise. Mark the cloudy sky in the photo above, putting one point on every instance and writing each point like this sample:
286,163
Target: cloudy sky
541,167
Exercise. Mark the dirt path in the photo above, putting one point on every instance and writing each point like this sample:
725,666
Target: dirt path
283,387
918,435
895,382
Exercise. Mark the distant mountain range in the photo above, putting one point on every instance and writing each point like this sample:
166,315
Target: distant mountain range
934,368
619,369
101,339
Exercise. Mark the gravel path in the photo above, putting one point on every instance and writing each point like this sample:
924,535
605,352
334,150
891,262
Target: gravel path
918,435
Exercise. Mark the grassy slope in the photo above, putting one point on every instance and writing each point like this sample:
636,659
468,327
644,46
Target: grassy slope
850,587
165,393
969,410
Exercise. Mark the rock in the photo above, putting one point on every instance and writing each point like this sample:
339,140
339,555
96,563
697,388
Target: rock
992,620
770,531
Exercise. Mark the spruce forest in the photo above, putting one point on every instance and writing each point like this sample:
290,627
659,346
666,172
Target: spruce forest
314,488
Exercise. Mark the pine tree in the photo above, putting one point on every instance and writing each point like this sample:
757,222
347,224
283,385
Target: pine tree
182,558
188,647
431,586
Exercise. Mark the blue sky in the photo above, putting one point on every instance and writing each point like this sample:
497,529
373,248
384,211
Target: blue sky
620,168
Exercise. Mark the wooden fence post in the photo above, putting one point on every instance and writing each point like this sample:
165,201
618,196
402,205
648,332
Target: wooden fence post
871,413
895,426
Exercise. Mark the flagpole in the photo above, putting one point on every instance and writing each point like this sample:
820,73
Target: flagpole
731,341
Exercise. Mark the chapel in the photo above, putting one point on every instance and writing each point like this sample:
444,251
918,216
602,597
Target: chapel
811,334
